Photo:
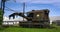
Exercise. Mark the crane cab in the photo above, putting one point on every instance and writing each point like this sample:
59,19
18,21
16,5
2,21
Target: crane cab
39,15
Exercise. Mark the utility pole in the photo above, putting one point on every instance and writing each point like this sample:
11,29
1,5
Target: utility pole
23,9
1,4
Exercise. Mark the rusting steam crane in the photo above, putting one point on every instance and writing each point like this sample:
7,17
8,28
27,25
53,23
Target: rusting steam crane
35,18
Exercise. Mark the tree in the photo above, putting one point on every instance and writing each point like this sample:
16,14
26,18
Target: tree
1,16
3,4
2,10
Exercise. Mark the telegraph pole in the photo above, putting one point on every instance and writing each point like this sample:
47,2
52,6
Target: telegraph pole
23,9
1,4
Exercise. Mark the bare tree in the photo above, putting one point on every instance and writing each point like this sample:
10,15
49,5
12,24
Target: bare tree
3,7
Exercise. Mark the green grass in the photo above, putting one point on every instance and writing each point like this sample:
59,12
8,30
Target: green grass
18,29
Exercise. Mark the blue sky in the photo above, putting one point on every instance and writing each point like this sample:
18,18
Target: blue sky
17,5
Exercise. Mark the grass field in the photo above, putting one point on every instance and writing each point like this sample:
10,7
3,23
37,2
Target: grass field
18,29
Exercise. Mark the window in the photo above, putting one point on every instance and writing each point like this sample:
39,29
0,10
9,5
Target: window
30,15
38,15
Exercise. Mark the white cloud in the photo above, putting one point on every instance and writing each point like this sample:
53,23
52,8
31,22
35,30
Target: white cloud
21,1
45,1
5,19
55,18
16,19
53,2
38,1
57,5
